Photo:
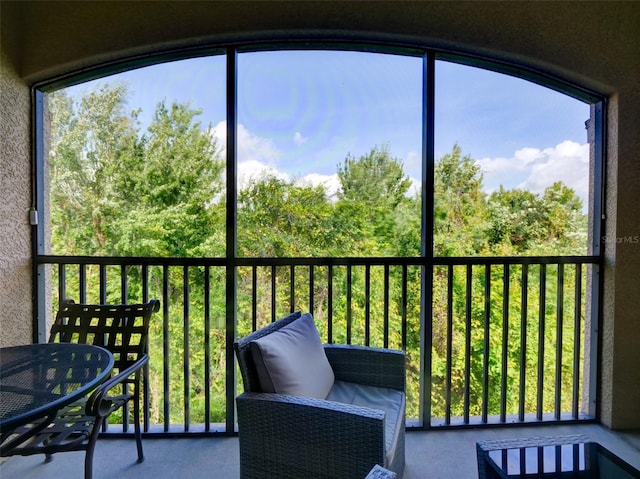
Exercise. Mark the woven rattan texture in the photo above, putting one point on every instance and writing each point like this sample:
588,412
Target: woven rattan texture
379,472
365,365
291,437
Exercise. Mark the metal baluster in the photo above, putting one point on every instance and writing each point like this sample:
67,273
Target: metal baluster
449,364
467,345
559,341
349,302
541,332
523,339
165,347
185,348
292,288
207,349
576,342
386,306
505,340
367,305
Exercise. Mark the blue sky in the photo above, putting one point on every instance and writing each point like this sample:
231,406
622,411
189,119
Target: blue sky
302,112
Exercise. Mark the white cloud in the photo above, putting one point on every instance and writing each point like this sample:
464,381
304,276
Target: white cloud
258,157
416,187
496,167
567,162
252,169
528,168
534,169
298,139
525,156
331,183
251,148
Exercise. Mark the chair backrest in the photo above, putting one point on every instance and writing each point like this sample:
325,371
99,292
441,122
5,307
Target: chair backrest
123,329
243,351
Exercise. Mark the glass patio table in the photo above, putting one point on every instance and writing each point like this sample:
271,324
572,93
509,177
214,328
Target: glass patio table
36,380
568,457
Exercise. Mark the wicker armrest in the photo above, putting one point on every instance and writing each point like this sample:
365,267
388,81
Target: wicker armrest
379,472
366,365
310,406
304,435
101,403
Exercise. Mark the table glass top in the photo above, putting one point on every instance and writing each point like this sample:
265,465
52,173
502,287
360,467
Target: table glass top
38,378
584,460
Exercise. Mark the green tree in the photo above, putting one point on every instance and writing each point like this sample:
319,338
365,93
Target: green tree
175,182
118,191
374,179
278,218
460,216
526,222
89,139
373,191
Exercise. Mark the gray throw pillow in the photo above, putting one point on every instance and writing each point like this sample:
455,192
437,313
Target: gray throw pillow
292,361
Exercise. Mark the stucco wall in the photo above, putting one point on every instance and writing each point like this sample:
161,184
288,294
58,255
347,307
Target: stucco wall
620,331
15,200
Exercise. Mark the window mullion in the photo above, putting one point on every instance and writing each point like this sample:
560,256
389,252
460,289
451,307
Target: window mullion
428,161
231,236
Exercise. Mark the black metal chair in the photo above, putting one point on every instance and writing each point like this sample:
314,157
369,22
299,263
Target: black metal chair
123,330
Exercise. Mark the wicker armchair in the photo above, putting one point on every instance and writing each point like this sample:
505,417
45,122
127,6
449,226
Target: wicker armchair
123,330
288,436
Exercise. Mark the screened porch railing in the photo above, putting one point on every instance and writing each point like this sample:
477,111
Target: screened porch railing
489,340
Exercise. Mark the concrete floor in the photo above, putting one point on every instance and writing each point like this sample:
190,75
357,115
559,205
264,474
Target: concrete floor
435,454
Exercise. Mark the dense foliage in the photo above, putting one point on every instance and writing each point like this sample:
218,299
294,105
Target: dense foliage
118,191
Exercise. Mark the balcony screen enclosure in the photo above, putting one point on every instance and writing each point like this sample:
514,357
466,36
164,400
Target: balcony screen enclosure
407,198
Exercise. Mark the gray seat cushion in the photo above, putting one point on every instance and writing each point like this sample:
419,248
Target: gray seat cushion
391,401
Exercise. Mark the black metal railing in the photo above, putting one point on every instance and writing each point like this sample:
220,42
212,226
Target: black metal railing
489,340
